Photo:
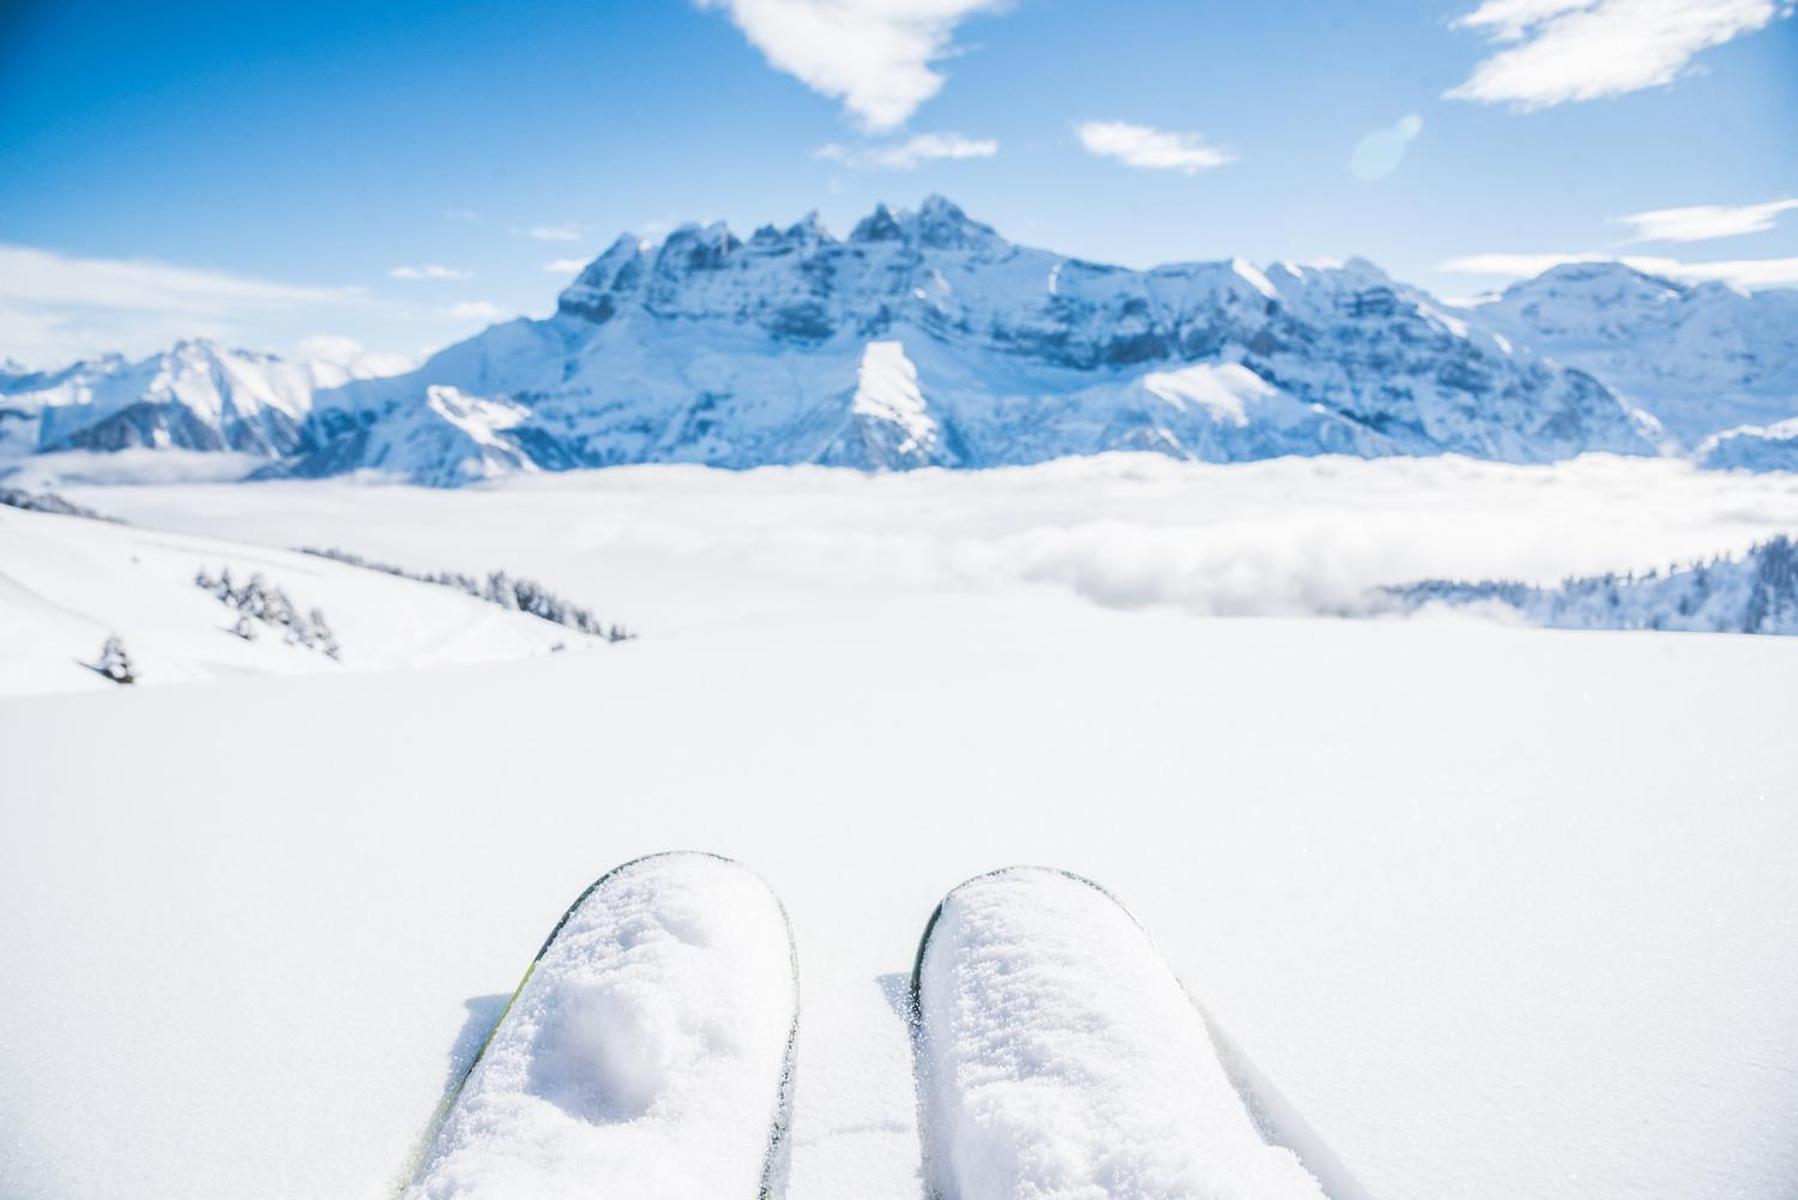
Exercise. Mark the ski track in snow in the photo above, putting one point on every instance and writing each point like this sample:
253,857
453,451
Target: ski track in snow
1500,912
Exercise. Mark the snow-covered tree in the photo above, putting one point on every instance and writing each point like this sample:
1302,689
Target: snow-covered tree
115,663
245,628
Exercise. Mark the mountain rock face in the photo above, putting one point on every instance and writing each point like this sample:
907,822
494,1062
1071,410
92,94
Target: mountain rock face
196,396
927,339
1701,357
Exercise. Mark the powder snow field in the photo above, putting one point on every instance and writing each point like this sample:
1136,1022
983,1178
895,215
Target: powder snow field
1501,912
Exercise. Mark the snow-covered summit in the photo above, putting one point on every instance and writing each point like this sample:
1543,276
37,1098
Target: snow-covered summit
1702,357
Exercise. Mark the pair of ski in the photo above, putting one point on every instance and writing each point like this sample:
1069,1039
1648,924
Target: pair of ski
649,1053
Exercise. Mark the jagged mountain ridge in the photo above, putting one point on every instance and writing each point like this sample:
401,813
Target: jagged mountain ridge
922,338
739,352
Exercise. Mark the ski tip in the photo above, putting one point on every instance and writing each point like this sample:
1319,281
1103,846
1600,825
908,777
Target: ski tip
652,859
1020,871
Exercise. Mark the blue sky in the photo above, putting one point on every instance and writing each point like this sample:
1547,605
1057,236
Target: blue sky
402,174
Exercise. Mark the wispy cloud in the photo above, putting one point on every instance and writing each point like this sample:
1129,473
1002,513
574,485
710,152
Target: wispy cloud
1747,273
565,266
55,307
903,156
878,57
1555,51
352,356
1151,149
461,214
477,310
1701,222
45,277
429,271
551,233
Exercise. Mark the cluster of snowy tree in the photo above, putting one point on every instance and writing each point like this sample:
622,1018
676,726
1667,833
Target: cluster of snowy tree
498,587
258,603
50,502
1757,593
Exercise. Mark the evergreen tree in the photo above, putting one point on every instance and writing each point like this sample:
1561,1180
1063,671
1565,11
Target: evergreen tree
115,664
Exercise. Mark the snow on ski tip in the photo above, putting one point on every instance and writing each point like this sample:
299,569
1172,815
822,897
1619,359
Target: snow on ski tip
1060,1058
648,1051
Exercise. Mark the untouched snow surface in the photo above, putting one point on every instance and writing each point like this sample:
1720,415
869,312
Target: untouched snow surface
645,1054
1500,912
1060,1058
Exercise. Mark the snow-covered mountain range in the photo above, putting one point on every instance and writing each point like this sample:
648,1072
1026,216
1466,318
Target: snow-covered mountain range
1702,357
926,338
197,395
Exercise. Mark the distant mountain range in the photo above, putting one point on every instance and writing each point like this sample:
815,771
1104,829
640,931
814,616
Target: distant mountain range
926,338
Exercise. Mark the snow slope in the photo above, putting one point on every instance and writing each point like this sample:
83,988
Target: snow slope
1502,912
1498,911
647,1051
1060,1058
67,583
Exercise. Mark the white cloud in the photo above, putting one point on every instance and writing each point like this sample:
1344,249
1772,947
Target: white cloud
1379,153
876,56
1749,273
477,310
903,156
43,277
428,271
349,354
461,214
1152,149
565,266
552,233
1560,50
55,308
1704,221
